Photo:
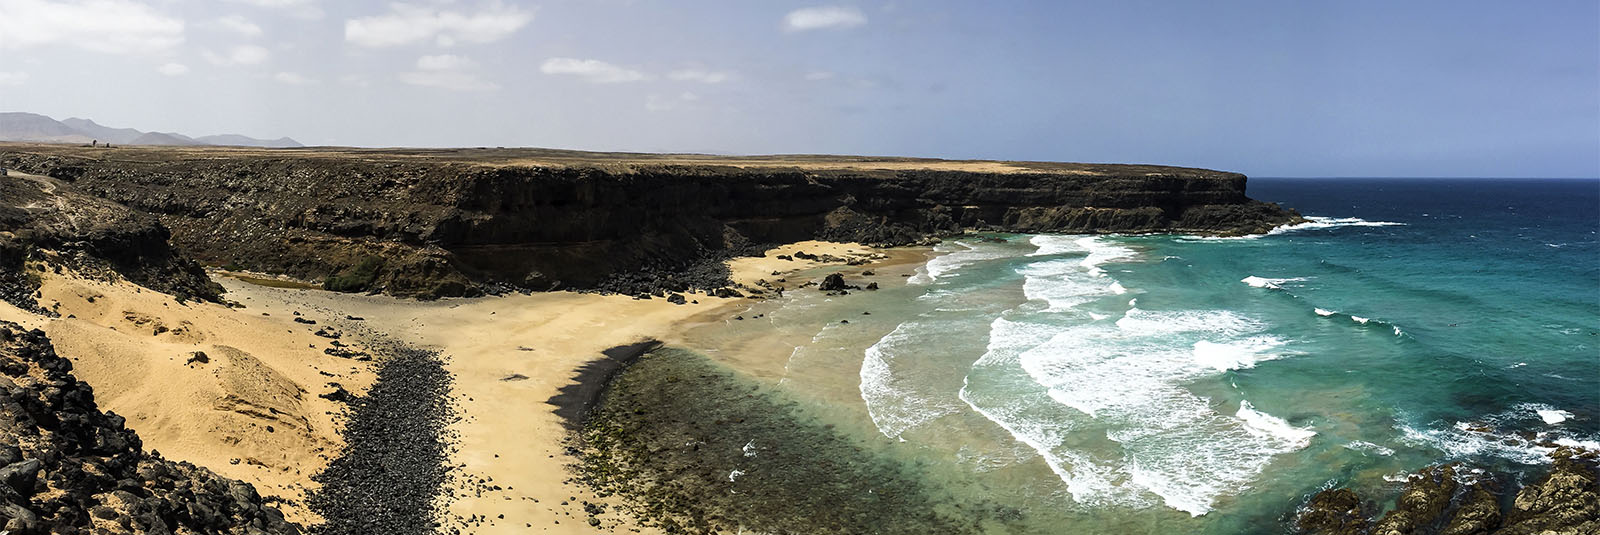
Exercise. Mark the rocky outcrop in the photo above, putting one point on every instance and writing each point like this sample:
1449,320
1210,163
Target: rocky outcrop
455,225
66,467
1445,500
1565,502
46,221
1335,512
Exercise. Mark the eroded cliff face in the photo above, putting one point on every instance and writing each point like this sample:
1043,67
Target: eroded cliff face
43,219
439,227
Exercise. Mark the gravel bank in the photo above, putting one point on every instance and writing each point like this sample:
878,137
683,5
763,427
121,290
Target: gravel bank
395,460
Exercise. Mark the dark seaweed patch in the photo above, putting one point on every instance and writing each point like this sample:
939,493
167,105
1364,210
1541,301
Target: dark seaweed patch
695,449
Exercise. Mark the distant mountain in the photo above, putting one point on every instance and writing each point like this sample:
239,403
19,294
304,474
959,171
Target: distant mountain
103,133
21,126
18,126
246,141
164,138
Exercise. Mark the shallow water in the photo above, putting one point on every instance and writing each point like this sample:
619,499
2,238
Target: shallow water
1180,384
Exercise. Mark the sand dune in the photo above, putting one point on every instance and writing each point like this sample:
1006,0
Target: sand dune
248,410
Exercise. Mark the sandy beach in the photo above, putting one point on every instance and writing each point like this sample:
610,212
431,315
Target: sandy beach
250,408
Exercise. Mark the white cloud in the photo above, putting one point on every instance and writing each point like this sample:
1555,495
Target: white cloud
445,62
408,24
306,9
823,18
13,78
109,26
239,55
236,24
819,76
448,71
700,75
173,69
591,70
293,78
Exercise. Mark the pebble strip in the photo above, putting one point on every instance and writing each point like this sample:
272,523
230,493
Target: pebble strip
394,464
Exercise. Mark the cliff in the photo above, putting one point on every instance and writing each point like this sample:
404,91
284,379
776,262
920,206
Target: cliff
42,218
455,222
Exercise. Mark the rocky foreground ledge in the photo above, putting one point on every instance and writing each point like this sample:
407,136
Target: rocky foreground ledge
66,467
1457,500
432,223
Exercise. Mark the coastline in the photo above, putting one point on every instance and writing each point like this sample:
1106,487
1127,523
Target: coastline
516,359
526,371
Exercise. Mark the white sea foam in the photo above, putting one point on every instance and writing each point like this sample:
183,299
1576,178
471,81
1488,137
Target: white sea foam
1054,244
1236,355
956,255
894,388
1117,288
1553,416
1102,251
1368,447
1271,284
1361,320
1323,312
1497,435
1063,283
1319,223
1272,427
1128,377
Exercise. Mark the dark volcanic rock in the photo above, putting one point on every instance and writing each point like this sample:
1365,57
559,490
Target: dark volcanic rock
1334,512
72,468
1426,496
389,476
832,282
444,223
47,220
1565,502
1443,500
1478,513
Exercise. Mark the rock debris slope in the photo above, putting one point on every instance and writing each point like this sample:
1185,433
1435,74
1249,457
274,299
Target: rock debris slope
70,468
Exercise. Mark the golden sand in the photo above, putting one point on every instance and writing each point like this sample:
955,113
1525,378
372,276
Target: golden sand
252,410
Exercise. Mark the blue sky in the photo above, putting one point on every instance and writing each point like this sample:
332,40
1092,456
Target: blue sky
1267,88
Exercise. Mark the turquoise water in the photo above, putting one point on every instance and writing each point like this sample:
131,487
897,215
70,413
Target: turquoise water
1150,384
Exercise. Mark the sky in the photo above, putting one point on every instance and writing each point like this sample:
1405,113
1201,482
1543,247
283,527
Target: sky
1268,88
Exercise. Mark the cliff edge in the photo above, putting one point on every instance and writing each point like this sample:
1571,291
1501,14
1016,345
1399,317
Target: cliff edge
430,223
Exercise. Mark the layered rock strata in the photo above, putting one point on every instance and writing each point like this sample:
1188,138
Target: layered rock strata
445,223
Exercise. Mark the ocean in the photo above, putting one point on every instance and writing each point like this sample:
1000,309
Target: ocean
1166,384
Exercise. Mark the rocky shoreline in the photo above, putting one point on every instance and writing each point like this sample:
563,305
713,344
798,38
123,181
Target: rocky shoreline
1454,499
463,222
